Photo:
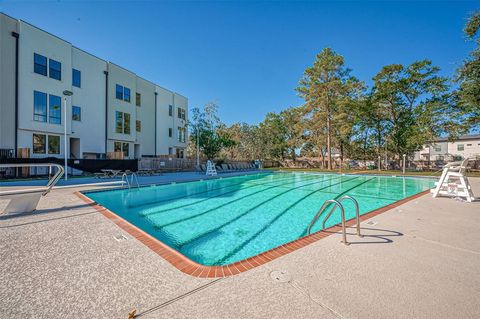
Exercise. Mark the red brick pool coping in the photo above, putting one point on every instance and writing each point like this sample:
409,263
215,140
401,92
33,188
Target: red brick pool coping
188,266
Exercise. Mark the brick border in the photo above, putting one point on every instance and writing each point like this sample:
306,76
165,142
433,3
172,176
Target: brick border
190,267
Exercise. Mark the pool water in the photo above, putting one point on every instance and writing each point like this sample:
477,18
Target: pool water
221,221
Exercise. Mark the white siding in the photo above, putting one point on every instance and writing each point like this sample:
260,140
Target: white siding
7,82
96,117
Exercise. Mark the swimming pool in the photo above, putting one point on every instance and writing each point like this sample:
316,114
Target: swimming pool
222,221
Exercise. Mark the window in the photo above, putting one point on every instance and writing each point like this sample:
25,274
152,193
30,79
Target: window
469,144
126,123
76,78
126,149
76,113
126,94
170,151
122,122
138,126
55,110
460,147
119,122
117,147
39,106
181,134
179,153
53,144
437,148
181,113
170,110
170,132
122,147
138,99
39,143
39,64
119,92
55,69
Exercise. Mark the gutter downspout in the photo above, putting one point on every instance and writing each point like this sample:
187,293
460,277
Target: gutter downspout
16,36
106,111
156,123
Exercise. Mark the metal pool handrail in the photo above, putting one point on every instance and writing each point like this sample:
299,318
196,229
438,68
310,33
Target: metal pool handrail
50,183
357,212
128,183
320,211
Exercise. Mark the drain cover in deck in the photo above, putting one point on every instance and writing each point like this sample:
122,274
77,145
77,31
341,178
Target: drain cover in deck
280,276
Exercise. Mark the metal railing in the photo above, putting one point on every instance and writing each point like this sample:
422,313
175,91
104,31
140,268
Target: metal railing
133,180
51,182
337,203
320,211
357,213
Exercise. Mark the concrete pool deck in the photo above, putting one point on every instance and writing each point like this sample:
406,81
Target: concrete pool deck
420,259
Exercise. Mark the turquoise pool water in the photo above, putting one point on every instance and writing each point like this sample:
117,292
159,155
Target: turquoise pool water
221,221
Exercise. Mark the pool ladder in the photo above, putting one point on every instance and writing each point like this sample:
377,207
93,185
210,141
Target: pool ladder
337,203
132,182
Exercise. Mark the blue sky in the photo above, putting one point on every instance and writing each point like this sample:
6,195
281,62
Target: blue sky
249,56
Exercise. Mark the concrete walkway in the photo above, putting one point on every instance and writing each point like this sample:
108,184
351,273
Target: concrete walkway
419,260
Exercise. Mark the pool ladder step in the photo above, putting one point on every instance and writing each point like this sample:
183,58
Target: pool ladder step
337,203
132,182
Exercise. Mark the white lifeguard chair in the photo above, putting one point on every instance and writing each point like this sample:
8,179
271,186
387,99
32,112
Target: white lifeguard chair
453,182
211,170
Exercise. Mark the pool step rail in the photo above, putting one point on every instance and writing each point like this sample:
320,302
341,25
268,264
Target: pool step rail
132,182
337,203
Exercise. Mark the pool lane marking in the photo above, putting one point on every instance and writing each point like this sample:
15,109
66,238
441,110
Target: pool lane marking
246,179
249,211
225,204
272,221
283,179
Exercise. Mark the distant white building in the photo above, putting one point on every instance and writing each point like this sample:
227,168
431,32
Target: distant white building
112,109
442,150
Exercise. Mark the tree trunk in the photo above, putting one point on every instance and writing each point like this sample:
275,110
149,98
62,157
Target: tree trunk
341,154
322,159
329,147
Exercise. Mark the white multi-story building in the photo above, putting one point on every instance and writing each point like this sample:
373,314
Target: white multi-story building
111,109
442,149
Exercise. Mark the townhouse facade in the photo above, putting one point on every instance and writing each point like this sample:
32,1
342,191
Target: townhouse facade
111,110
467,146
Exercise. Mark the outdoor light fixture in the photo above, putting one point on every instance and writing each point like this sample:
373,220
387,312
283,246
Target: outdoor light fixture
66,93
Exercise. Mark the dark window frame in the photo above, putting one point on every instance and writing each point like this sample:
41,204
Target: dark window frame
138,99
53,72
49,137
170,110
35,148
38,116
126,96
170,132
76,80
39,68
118,92
126,126
54,119
118,122
181,113
138,125
126,149
74,113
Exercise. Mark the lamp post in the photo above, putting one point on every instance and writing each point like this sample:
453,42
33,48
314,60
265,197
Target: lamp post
65,93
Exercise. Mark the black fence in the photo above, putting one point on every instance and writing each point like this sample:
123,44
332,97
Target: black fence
86,165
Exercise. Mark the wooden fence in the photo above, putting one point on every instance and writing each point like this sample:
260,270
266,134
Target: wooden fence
166,164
